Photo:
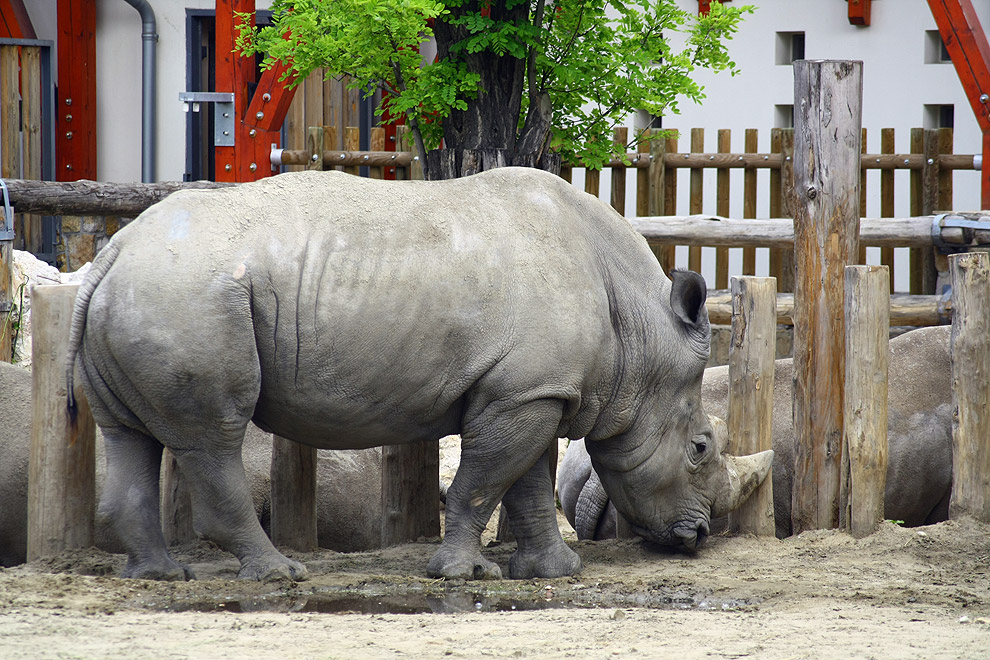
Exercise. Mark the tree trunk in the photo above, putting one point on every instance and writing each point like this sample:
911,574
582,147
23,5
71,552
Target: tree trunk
486,135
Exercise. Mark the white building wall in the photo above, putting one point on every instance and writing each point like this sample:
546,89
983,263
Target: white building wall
897,85
118,67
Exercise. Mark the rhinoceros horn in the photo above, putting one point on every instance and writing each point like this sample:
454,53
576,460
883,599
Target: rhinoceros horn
745,473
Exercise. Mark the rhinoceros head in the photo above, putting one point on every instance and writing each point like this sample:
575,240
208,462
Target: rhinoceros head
669,473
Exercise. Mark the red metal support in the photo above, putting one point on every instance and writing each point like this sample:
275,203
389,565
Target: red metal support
75,108
259,118
967,44
705,6
14,20
859,12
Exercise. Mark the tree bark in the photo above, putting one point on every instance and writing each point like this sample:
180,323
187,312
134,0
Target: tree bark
486,135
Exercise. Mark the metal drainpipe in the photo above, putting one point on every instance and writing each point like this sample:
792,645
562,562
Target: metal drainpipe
149,39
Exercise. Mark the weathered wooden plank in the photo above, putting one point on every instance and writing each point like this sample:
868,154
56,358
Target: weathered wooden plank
905,309
293,480
864,450
95,197
410,492
777,233
352,142
751,378
970,350
749,200
31,132
62,460
314,144
887,198
722,184
825,200
697,195
377,143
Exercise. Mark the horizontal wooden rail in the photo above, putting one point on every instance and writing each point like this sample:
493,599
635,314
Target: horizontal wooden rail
774,232
346,158
905,309
641,160
86,197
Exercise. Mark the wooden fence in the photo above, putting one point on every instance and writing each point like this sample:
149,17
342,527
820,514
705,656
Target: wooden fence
650,183
26,106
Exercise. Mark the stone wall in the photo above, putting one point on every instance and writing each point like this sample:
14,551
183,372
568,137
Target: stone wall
81,237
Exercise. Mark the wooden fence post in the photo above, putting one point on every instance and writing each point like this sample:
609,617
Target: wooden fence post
864,451
6,298
177,523
293,482
970,350
825,202
618,177
61,464
751,377
410,491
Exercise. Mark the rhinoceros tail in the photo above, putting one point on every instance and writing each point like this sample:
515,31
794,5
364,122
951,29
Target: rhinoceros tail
101,265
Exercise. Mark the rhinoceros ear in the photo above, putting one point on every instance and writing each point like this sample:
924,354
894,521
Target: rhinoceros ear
687,297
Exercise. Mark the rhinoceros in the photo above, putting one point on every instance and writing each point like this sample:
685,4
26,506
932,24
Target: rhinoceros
345,313
919,470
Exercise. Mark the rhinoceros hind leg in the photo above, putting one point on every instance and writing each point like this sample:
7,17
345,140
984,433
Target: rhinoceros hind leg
223,510
130,503
541,550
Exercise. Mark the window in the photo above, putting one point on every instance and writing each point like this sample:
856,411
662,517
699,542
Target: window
783,116
939,116
935,50
790,47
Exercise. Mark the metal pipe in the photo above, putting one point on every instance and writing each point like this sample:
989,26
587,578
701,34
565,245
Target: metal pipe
149,39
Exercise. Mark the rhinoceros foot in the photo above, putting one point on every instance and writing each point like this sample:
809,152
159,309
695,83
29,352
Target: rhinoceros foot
160,569
453,565
557,561
272,567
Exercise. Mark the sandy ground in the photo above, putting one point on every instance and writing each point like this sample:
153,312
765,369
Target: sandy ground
901,593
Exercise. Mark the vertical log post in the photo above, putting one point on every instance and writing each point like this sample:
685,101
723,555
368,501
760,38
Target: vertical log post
864,451
6,298
696,203
825,202
62,460
970,350
411,491
751,377
293,479
177,522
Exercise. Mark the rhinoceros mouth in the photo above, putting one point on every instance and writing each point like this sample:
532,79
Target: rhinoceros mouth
685,535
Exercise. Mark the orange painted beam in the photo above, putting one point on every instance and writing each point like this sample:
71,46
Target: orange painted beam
859,12
14,20
967,45
75,107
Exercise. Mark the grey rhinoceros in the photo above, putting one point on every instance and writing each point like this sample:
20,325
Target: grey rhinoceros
342,312
919,470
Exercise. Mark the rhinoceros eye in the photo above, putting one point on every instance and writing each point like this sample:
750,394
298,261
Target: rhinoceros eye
700,443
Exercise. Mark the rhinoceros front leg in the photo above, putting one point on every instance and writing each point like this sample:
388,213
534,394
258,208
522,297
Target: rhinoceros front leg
497,448
130,503
541,551
223,511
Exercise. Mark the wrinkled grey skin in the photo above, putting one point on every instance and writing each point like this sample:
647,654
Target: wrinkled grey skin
348,313
919,471
15,443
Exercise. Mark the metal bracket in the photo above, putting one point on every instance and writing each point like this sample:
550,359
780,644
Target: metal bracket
964,232
7,226
223,113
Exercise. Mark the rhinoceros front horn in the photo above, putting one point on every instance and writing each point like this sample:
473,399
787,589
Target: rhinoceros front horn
745,473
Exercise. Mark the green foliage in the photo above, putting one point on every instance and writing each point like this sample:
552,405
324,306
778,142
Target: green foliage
597,60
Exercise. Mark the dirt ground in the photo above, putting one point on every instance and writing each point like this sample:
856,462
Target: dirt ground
901,593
